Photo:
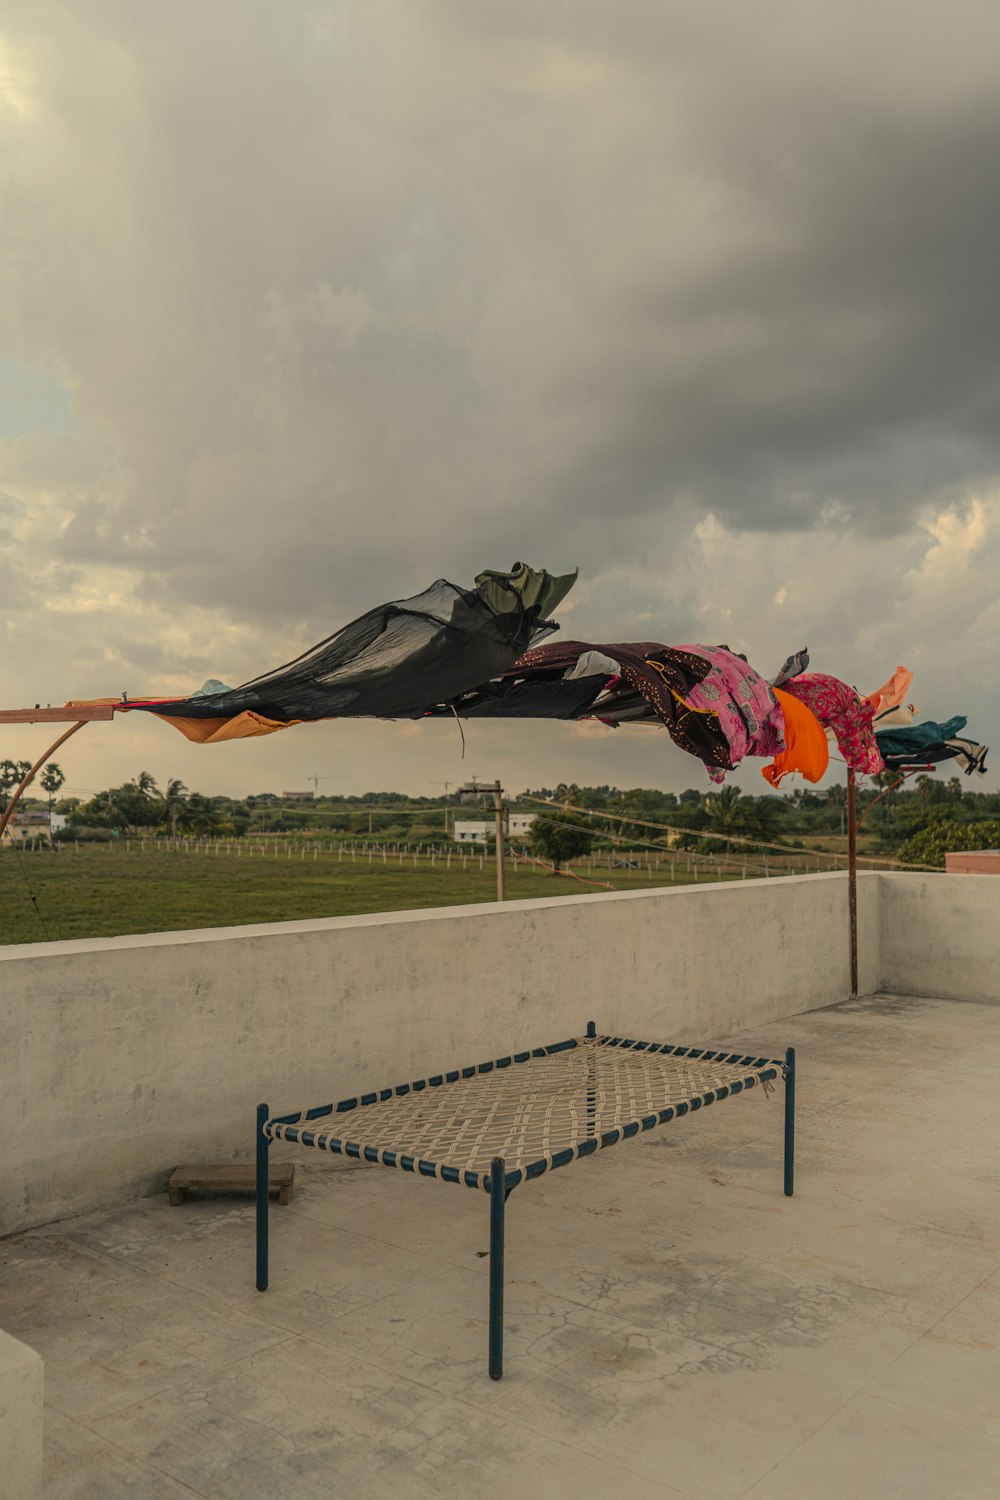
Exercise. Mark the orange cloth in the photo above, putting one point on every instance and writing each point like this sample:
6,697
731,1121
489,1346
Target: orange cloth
242,726
806,748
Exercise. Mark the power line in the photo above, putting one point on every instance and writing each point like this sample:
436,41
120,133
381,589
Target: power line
708,833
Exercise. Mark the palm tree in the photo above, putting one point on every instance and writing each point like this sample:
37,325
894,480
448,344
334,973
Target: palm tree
173,802
767,815
145,784
52,779
8,778
201,814
723,812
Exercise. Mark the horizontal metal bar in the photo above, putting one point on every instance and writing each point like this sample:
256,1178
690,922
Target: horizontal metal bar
80,713
407,1162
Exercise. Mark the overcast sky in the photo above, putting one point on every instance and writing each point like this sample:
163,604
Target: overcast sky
303,306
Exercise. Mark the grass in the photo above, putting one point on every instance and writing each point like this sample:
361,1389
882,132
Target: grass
102,891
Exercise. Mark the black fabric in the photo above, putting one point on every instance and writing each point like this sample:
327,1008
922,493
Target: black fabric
542,697
971,756
659,675
401,658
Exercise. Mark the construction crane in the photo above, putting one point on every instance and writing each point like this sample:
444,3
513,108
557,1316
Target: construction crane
317,779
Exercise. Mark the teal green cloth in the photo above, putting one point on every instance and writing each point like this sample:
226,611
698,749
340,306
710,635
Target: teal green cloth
910,739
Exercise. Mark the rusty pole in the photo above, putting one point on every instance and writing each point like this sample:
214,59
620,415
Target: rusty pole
8,811
852,874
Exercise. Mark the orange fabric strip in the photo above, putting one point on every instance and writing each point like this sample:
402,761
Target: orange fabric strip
806,747
243,726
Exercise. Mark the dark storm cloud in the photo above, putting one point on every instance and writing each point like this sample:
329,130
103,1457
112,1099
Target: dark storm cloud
860,363
350,296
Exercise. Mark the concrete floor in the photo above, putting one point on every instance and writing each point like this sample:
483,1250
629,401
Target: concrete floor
675,1326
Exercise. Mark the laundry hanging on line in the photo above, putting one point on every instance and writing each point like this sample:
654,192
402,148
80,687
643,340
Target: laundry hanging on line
838,707
749,714
392,662
891,694
931,743
807,749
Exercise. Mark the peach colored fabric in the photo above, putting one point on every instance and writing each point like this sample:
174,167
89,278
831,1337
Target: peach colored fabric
243,726
892,693
806,748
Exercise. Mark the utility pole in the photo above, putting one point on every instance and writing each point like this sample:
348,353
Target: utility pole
475,789
446,785
498,809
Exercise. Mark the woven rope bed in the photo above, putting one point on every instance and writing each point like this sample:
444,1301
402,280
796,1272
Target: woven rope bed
497,1124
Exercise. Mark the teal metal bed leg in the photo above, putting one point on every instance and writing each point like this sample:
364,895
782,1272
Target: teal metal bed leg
498,1198
789,1122
262,1195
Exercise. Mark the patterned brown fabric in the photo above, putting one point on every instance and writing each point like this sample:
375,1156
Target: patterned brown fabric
663,675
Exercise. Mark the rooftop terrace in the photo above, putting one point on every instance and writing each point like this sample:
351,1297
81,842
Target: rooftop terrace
675,1326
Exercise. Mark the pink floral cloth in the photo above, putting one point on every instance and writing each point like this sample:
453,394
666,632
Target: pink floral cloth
750,716
838,707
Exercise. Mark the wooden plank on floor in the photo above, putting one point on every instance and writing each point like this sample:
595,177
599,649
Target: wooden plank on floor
230,1177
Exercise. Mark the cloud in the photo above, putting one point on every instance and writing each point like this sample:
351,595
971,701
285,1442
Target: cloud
348,297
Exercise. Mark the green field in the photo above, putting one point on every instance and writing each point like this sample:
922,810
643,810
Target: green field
104,891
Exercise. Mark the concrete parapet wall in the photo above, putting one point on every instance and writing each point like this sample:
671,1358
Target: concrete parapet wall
941,936
121,1058
20,1420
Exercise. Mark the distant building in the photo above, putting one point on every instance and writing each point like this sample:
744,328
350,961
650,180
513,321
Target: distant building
973,862
33,824
297,796
469,832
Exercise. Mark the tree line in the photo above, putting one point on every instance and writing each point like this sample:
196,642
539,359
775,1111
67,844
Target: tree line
916,821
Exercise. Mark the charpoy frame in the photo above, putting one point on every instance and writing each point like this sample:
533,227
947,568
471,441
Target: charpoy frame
594,1091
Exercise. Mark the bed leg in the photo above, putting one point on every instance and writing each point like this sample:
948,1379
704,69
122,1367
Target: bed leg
262,1197
498,1197
789,1122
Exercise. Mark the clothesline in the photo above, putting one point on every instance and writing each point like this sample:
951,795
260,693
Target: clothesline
482,653
708,833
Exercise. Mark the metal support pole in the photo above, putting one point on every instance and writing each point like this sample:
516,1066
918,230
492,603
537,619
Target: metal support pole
498,1198
498,809
8,812
852,874
262,1194
789,1122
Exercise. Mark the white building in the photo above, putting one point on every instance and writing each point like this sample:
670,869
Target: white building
33,824
475,832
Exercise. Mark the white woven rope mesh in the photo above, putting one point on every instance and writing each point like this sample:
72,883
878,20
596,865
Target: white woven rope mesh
529,1111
